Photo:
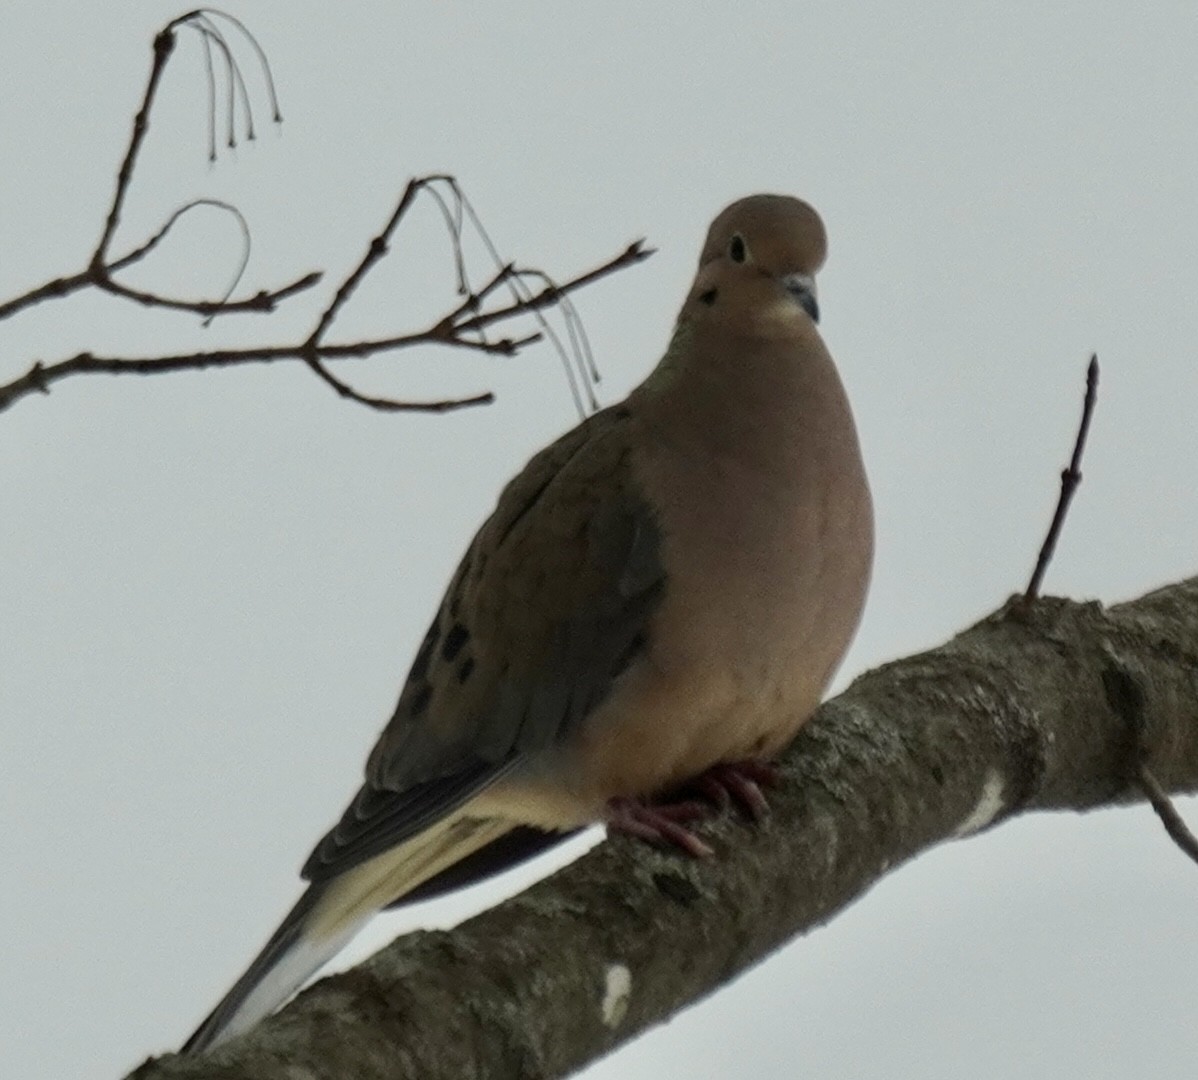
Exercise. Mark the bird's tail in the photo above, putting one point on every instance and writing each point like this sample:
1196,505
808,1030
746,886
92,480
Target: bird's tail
329,914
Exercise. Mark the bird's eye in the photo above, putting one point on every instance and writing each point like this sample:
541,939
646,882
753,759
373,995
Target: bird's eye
736,248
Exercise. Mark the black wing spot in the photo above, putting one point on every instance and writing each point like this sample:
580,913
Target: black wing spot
465,668
425,654
421,701
454,641
708,297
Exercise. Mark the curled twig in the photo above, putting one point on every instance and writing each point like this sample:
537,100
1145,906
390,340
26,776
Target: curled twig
465,326
103,279
40,376
100,268
1071,477
577,360
467,318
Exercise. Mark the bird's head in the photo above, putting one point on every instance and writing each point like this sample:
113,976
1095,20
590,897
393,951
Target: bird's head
757,270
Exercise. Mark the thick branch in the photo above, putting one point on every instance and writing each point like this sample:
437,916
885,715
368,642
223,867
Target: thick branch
1043,706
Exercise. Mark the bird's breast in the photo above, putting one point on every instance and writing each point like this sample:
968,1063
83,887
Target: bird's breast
766,553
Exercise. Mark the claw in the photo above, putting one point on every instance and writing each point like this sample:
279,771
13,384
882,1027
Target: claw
659,823
741,782
663,822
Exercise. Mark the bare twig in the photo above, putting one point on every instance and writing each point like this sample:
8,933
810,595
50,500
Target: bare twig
40,377
474,300
468,318
100,268
260,302
139,253
633,253
1071,477
389,405
1167,812
577,361
464,327
376,250
266,300
585,373
164,45
263,62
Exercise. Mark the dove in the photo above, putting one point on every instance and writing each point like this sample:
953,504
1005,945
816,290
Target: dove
654,608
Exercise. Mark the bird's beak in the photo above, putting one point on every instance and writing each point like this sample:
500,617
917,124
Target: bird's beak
802,288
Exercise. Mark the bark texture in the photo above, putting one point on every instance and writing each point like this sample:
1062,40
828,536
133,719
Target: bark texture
1047,706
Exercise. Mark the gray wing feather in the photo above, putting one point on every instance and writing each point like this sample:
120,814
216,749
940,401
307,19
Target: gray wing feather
529,638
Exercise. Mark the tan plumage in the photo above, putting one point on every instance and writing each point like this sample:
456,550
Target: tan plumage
667,588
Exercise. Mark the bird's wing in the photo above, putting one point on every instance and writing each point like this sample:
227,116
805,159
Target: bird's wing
547,608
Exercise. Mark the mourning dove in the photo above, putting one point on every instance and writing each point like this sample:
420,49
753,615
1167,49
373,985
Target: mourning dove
659,600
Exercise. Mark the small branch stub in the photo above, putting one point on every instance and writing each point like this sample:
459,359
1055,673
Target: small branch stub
1071,477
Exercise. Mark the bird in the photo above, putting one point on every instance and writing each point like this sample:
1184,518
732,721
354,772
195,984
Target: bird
655,606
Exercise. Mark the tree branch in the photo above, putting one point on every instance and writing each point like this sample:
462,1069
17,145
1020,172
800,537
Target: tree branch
40,377
464,326
98,273
1045,705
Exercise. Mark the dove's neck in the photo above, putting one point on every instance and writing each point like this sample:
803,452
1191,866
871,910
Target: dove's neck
760,402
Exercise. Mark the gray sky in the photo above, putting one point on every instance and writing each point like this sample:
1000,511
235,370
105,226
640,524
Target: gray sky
214,583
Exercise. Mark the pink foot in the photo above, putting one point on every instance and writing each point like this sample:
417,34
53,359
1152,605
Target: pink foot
659,823
738,781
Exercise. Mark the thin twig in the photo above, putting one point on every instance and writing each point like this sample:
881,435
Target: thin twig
451,329
40,377
139,253
1167,812
164,45
1071,477
259,302
474,300
501,347
54,289
390,405
463,327
376,249
634,253
265,300
577,362
587,375
246,245
263,61
100,269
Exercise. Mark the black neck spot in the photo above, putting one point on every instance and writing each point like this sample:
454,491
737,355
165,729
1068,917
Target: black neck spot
708,297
